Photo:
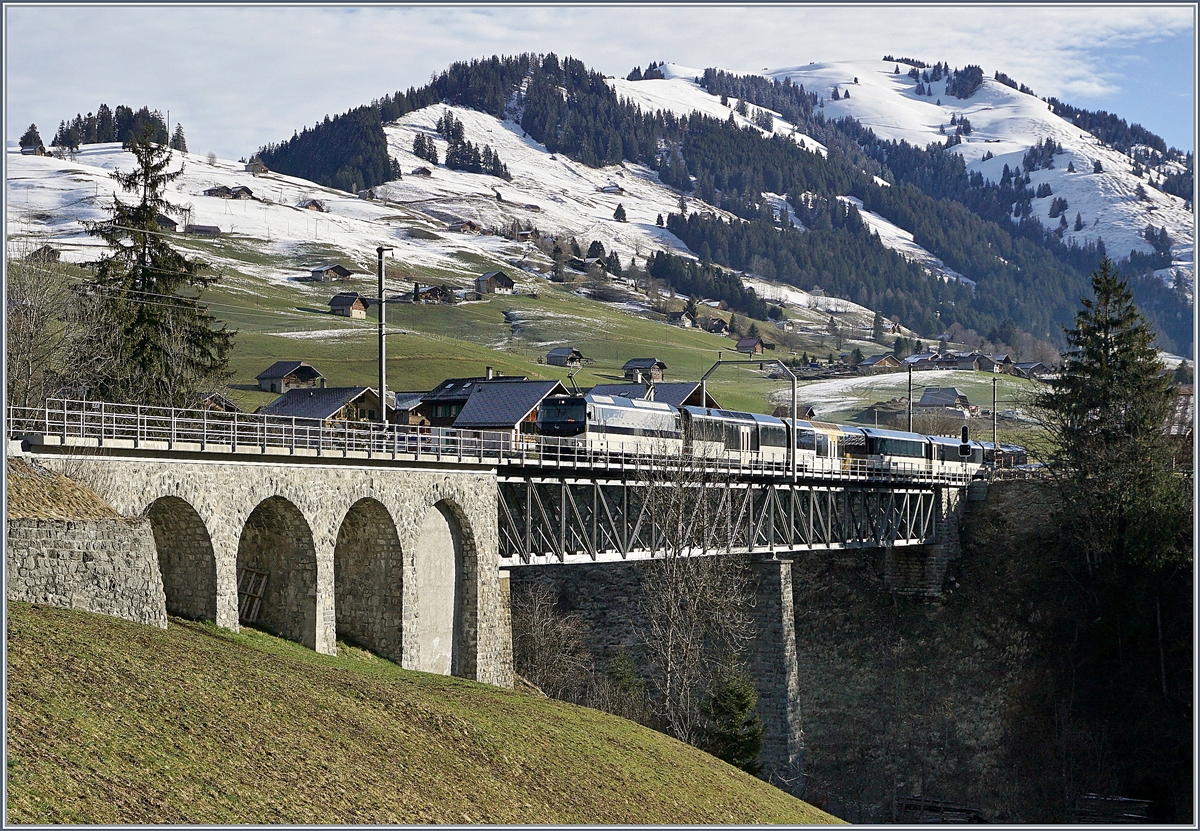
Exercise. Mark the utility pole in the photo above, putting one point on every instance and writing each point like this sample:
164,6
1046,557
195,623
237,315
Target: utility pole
995,447
910,398
382,350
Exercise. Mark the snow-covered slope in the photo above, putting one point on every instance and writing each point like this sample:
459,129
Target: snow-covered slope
1005,124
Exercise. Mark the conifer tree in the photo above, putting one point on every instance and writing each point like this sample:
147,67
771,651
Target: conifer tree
169,347
178,142
30,137
619,213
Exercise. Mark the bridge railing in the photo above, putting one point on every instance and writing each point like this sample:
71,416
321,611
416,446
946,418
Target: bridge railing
200,430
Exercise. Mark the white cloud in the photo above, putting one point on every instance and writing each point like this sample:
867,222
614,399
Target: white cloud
238,77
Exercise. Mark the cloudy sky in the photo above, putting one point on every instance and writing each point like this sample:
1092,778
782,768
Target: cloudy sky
238,77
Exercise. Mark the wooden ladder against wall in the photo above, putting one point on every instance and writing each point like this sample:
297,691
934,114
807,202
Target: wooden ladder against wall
252,584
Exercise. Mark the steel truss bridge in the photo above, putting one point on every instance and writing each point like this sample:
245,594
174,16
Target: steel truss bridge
557,503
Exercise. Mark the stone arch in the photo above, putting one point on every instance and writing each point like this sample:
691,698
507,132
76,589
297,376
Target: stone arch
368,575
186,558
444,596
277,539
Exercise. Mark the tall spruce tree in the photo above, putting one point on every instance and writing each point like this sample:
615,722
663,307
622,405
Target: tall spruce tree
1105,414
178,142
31,138
169,347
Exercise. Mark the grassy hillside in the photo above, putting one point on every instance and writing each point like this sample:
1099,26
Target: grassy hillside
111,722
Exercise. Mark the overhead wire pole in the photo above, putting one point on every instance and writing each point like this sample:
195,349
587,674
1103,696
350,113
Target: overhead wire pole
995,446
382,350
778,362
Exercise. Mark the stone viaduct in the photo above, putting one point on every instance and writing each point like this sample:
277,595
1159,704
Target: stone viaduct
399,561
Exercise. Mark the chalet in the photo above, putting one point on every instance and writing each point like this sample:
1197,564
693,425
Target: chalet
325,406
465,226
329,273
564,356
241,192
807,411
45,254
282,376
938,399
640,369
750,346
675,393
584,263
612,188
313,205
256,166
165,223
924,361
220,191
202,230
524,236
494,282
404,408
39,150
442,405
215,402
349,304
507,404
422,171
878,363
368,194
431,294
716,325
1030,369
679,319
971,362
1179,423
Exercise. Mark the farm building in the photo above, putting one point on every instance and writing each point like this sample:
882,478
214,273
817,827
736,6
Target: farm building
422,171
639,369
215,402
282,376
564,356
313,205
938,399
256,166
349,304
679,319
165,223
220,191
878,363
329,273
240,192
45,254
750,346
494,282
715,325
324,406
202,230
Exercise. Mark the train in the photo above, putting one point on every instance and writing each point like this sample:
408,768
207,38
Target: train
617,424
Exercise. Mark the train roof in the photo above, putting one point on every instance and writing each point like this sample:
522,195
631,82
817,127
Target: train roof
892,434
628,403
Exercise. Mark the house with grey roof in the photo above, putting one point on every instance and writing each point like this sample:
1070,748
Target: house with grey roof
638,369
442,405
282,376
506,404
325,406
938,399
878,363
565,356
327,273
349,304
494,282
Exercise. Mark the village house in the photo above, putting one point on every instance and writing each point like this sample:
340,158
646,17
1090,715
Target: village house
313,205
431,294
39,150
640,369
878,363
256,166
943,399
422,171
282,376
807,411
202,230
465,226
165,223
612,188
1030,369
564,356
241,192
215,402
584,263
45,254
349,304
329,273
326,406
924,361
506,404
679,319
220,191
404,408
494,282
715,325
750,346
442,405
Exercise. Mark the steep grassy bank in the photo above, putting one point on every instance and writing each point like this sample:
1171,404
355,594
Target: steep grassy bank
110,722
